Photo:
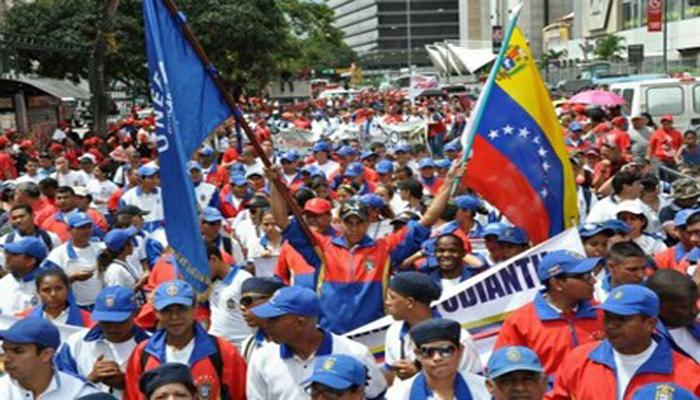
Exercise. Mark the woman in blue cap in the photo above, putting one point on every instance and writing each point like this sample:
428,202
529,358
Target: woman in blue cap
112,262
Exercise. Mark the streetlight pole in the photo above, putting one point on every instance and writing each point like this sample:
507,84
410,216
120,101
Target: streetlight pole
665,16
409,45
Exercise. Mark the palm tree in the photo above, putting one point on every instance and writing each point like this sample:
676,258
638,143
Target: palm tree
552,56
609,47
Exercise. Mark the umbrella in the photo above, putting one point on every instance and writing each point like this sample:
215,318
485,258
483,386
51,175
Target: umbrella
598,98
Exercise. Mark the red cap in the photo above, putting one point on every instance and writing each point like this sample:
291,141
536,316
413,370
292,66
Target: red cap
26,144
601,127
318,206
619,121
667,117
56,148
579,108
3,141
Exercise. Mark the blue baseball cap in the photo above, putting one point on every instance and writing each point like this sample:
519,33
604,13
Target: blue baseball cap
211,214
206,151
116,239
426,162
631,300
320,146
114,304
468,202
454,146
682,216
237,169
290,156
32,330
173,292
146,170
354,170
339,372
513,358
401,148
588,230
575,126
296,300
367,154
30,246
443,163
663,391
194,165
493,229
347,151
372,200
618,226
78,219
238,180
514,235
565,262
384,167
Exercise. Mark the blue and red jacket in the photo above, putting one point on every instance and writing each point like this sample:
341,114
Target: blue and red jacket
292,267
432,184
671,258
548,333
206,379
352,280
589,372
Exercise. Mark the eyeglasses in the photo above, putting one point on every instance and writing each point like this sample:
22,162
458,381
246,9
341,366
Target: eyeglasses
248,300
585,276
317,389
445,351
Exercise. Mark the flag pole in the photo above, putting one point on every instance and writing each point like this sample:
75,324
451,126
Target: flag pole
470,130
237,113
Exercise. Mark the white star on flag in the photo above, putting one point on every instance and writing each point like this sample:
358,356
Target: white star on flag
546,166
542,152
544,192
493,134
524,132
508,130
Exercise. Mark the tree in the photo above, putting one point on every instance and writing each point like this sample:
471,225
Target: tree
104,39
552,56
609,47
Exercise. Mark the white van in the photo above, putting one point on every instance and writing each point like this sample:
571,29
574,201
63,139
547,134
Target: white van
679,97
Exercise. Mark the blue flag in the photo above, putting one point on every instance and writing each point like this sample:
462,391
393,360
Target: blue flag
188,106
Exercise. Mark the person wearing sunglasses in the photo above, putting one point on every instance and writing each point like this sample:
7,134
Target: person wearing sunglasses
515,372
439,350
337,377
255,291
562,316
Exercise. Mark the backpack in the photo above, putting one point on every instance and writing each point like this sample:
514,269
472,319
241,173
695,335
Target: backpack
215,359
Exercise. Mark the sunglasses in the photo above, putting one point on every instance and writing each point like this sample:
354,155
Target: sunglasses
582,276
317,389
248,300
445,351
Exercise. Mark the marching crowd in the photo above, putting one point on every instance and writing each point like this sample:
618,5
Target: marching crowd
83,242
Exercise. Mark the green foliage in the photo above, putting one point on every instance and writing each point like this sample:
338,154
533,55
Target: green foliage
609,47
551,56
249,41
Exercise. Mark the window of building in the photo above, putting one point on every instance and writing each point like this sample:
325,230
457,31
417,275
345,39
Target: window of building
628,95
633,14
665,100
696,98
691,9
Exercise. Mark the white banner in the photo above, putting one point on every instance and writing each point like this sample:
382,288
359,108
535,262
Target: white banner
419,83
482,302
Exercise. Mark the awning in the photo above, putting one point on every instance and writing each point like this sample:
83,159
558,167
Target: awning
64,90
472,59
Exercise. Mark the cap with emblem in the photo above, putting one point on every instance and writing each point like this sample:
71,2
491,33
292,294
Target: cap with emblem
32,330
29,246
173,292
339,372
685,188
353,208
514,235
513,358
114,304
631,300
434,330
417,285
663,391
166,374
116,239
565,262
290,300
78,219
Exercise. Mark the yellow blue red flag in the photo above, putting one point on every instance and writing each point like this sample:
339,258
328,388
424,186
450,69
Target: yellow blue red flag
518,160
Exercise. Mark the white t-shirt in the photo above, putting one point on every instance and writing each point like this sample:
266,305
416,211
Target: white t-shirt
181,356
85,260
118,273
627,366
72,178
226,318
101,191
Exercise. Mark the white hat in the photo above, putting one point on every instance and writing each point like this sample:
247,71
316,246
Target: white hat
636,207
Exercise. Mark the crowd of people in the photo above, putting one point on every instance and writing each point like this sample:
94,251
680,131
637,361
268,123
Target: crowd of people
103,312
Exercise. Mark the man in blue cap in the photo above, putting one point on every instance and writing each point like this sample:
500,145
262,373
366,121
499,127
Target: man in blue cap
278,370
290,172
321,152
236,198
100,355
385,171
207,194
490,233
29,346
629,357
674,255
146,196
18,288
515,372
338,377
431,183
513,241
211,223
78,259
402,157
562,316
452,149
355,175
217,367
439,351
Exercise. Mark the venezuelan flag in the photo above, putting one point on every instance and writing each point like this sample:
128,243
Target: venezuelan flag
518,160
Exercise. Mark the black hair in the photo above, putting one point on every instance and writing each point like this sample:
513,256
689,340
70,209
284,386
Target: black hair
213,250
66,189
414,187
303,195
650,182
21,207
694,219
670,284
626,177
453,236
621,251
52,272
450,212
30,189
690,132
48,183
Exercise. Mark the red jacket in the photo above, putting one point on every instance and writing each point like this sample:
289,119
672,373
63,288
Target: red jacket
588,373
548,333
206,379
672,258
